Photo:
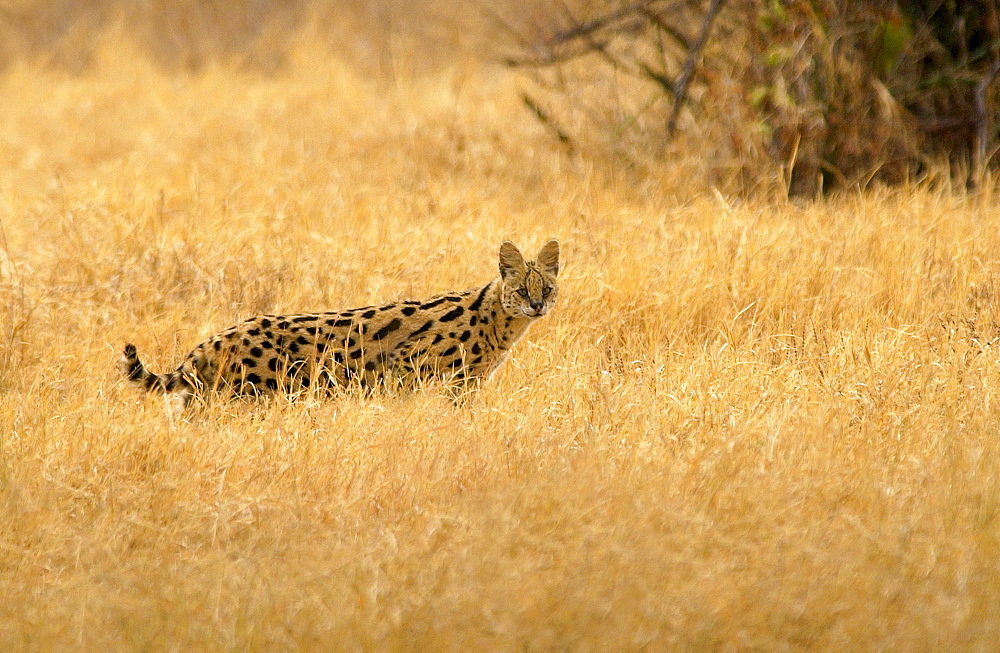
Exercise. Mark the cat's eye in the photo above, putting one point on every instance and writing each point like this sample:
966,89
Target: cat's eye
523,292
546,291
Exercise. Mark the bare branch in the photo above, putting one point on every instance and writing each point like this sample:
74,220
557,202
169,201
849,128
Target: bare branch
602,49
552,58
681,87
662,80
546,119
593,25
666,28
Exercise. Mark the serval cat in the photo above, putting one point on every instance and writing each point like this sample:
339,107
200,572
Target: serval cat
458,337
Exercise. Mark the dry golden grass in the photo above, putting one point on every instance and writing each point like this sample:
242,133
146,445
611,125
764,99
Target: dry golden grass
749,424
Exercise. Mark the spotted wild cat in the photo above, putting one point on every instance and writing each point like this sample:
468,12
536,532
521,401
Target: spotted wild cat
458,337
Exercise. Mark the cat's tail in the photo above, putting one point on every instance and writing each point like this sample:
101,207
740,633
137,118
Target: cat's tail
139,376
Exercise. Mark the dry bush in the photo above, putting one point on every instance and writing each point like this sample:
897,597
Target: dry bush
850,92
618,82
825,95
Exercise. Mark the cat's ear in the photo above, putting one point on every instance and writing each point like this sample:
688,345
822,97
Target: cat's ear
511,261
548,257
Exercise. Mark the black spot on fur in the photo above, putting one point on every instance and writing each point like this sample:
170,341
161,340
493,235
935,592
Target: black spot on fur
432,304
452,314
272,384
311,330
438,338
368,314
253,332
246,342
217,345
409,310
321,347
283,325
472,321
474,306
265,323
302,340
304,318
465,336
476,360
268,335
387,329
273,364
293,347
476,349
453,298
350,343
370,366
266,345
448,352
339,323
249,362
253,379
256,352
422,329
338,357
356,354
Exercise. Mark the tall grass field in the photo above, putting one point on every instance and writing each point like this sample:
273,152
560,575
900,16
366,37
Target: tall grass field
748,423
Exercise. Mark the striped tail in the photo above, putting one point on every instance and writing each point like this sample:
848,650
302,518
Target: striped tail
138,375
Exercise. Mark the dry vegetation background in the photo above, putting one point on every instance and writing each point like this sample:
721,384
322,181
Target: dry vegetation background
747,423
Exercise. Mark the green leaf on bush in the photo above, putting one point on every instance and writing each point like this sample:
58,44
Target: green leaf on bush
759,95
889,38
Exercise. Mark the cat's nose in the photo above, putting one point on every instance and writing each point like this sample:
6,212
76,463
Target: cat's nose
536,306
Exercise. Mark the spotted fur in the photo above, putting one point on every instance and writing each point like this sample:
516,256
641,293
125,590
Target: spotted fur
459,337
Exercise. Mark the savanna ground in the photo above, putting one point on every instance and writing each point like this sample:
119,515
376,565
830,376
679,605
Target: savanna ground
746,423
